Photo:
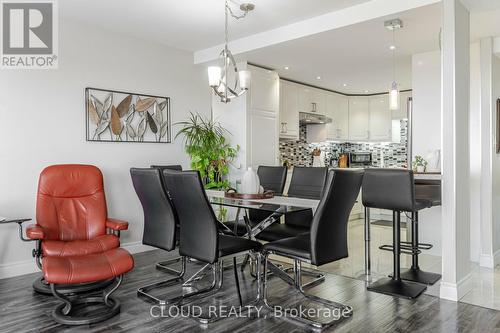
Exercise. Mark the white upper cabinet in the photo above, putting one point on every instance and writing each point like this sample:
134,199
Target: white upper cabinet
312,100
305,99
337,108
289,110
263,119
380,119
319,100
359,118
265,91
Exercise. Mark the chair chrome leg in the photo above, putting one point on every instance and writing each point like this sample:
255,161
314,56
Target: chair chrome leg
164,266
344,311
143,292
219,269
318,276
197,276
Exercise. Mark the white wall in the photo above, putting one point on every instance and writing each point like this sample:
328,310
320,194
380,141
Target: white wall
42,122
426,85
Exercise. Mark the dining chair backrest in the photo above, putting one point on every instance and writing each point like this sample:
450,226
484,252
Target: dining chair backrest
392,189
272,178
329,225
198,224
170,167
307,182
160,219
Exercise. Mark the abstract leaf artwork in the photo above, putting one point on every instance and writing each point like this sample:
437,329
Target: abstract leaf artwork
117,116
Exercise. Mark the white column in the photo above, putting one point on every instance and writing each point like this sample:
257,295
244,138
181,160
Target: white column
455,142
486,258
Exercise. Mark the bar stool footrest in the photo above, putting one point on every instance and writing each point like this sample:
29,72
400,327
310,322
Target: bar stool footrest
421,246
404,249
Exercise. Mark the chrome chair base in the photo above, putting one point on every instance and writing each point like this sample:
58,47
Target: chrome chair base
218,269
345,310
318,277
144,292
164,266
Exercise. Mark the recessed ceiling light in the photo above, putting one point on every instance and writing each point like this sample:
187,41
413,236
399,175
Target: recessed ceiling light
344,84
318,77
392,47
366,91
286,68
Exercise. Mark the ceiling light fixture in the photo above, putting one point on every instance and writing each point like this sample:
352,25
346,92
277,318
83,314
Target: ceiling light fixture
218,77
287,68
344,84
394,25
392,47
318,77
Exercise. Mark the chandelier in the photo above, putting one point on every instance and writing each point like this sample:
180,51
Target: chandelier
226,80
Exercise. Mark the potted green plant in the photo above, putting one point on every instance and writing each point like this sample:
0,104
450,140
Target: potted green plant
419,164
205,142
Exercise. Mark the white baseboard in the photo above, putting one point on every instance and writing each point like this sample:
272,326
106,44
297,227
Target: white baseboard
29,266
489,261
455,291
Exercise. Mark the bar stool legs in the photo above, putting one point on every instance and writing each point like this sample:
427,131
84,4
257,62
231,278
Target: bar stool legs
395,286
415,273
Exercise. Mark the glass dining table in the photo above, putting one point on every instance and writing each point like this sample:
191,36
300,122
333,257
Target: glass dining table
276,207
275,210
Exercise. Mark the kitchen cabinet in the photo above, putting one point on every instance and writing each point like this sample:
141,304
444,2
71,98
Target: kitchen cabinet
337,108
359,119
289,110
263,118
252,121
312,100
380,118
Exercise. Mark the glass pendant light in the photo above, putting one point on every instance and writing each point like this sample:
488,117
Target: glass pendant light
394,89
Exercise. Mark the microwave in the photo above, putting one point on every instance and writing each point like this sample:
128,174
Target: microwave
361,159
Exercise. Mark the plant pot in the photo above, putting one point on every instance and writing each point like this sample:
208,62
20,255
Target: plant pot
420,168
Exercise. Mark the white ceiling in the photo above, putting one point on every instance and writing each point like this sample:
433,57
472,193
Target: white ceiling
358,55
192,24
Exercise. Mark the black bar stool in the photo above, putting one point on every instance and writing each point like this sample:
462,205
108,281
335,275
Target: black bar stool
424,190
394,189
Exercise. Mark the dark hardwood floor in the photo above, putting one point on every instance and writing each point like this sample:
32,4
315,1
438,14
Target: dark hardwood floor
22,310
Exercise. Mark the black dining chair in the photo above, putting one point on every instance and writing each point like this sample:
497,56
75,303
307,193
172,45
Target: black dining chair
200,236
394,189
165,265
272,178
306,183
325,243
160,223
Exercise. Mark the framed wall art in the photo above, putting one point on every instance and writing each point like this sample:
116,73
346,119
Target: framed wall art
118,116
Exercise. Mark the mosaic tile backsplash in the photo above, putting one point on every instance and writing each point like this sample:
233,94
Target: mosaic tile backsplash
299,152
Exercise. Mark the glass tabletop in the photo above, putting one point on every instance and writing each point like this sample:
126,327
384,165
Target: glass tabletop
249,204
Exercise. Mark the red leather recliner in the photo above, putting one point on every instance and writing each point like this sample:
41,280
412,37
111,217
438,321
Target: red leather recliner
77,244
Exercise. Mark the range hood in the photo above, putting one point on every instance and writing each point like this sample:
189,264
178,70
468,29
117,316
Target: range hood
308,118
